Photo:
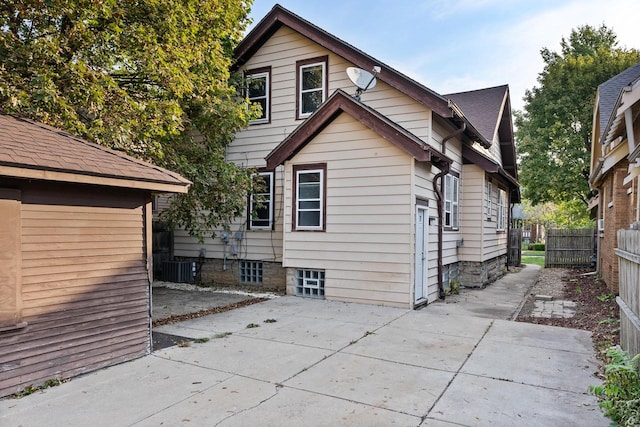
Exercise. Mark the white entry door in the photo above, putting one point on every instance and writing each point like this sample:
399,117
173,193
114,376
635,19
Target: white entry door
420,294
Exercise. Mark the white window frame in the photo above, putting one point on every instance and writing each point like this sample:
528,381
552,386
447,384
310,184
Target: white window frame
320,200
322,88
268,198
451,202
501,221
265,112
488,199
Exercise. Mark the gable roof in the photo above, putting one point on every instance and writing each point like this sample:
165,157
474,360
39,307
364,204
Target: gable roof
609,94
489,110
279,16
34,150
340,102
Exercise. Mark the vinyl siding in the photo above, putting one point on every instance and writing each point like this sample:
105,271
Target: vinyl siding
481,240
366,250
424,174
254,143
85,288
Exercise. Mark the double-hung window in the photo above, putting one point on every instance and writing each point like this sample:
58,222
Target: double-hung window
309,203
261,205
258,92
488,194
451,202
501,222
311,84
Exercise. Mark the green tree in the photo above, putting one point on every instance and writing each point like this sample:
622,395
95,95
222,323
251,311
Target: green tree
150,78
554,130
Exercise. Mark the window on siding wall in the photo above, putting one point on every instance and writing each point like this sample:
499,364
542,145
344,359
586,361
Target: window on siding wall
501,222
451,202
258,92
10,259
311,84
261,205
488,193
310,283
309,204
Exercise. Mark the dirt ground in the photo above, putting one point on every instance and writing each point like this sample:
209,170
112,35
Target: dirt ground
596,310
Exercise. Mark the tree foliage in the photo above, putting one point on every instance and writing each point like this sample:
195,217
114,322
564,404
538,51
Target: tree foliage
554,130
150,78
569,214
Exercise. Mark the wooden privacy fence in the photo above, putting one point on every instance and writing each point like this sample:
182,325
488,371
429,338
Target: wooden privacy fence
628,252
515,247
570,248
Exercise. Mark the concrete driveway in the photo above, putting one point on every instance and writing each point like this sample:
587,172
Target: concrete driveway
302,362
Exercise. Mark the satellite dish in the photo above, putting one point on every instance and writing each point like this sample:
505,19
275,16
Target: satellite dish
363,80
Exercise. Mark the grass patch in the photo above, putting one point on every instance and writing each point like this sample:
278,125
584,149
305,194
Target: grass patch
532,253
533,260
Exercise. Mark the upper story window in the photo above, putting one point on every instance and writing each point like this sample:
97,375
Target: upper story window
451,202
311,85
501,221
309,203
488,194
261,205
259,92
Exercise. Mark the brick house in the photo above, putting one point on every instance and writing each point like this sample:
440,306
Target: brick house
614,165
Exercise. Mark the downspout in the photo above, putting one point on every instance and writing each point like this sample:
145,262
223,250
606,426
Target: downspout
509,247
438,190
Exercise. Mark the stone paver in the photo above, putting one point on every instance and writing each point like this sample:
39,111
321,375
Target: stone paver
554,309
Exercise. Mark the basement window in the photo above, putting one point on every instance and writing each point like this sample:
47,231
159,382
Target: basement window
251,272
310,283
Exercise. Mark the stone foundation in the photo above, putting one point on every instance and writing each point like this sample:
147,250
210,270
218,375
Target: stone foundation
480,274
214,273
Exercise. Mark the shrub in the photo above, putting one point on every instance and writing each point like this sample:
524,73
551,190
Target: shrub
536,247
620,393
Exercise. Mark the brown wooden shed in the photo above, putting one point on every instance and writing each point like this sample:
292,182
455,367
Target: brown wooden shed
75,251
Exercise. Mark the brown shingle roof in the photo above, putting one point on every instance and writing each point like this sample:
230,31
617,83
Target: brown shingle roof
28,149
489,111
482,107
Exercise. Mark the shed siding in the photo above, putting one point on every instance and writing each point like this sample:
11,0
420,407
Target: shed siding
85,286
366,251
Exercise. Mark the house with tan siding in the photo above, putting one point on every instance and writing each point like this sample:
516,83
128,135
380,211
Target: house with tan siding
75,250
615,165
385,198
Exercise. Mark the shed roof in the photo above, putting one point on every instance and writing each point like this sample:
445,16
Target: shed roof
340,102
34,150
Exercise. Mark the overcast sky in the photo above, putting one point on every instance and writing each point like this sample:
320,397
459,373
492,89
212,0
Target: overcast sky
458,45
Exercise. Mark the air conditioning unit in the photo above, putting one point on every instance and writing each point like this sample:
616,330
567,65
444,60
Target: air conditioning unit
601,225
179,271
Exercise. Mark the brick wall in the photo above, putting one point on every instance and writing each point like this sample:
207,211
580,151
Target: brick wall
618,213
215,273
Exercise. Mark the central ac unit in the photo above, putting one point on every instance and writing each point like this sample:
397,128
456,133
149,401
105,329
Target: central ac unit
179,271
